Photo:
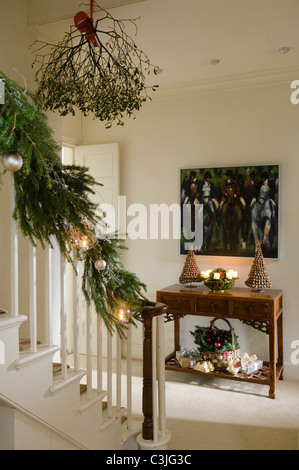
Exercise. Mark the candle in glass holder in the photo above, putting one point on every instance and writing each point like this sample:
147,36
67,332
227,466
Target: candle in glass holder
235,274
229,274
216,275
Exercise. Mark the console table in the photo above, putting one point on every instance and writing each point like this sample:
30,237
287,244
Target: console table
261,310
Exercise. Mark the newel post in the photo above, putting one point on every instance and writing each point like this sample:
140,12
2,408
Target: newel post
151,437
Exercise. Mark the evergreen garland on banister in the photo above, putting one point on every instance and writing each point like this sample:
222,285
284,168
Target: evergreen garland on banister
52,200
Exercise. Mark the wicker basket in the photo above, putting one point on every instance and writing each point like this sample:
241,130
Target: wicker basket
220,360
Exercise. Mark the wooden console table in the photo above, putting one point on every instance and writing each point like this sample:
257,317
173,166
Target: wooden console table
261,310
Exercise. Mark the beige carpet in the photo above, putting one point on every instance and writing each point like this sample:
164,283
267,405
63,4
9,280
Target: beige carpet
207,414
204,413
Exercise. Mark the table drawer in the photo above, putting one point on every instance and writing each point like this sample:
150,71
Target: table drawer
212,306
251,309
181,304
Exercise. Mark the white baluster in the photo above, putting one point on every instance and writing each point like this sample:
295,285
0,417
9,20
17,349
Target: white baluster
99,354
76,313
48,294
63,332
154,379
118,372
32,298
14,255
109,374
129,377
89,347
161,375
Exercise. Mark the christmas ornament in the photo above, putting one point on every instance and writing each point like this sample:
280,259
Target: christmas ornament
190,272
100,264
258,278
12,161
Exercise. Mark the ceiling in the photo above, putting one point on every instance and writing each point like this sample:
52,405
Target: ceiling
182,37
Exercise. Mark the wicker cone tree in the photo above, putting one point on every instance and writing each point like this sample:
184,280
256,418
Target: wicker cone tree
258,278
190,272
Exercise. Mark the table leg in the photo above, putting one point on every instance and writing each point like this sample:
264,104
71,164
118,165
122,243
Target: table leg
177,346
272,356
280,343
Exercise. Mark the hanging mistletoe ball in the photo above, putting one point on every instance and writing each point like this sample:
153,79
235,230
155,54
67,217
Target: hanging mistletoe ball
12,161
96,69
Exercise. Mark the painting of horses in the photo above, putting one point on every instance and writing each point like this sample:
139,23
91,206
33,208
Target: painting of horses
240,204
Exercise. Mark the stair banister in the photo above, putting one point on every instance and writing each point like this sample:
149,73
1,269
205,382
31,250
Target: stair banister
153,436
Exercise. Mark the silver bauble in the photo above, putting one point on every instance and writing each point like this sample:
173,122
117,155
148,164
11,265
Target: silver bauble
100,264
12,162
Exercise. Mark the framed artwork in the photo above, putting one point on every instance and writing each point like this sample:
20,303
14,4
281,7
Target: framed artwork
239,205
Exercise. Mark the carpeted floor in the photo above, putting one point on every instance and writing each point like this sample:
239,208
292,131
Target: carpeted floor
204,413
211,414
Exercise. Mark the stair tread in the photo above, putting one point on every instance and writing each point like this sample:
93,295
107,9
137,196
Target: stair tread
57,367
25,344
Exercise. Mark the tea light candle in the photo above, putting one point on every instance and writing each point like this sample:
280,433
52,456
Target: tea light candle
216,275
121,315
235,274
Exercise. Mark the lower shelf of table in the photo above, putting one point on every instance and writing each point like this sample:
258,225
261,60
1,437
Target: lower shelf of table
261,376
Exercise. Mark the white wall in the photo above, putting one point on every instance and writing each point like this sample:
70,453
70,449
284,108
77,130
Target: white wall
238,127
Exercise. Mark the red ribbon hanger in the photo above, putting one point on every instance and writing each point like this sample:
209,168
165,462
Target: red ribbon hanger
85,24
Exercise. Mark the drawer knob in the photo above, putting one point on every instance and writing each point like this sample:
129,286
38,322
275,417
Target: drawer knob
250,309
176,303
212,307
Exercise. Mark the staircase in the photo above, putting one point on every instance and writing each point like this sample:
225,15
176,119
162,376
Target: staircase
44,403
41,408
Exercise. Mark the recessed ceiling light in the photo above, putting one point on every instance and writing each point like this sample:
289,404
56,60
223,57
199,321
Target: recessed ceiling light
215,61
283,50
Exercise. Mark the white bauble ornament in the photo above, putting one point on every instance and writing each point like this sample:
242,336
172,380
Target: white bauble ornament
12,162
100,264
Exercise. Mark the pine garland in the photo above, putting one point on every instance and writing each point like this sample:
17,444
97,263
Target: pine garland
114,287
53,200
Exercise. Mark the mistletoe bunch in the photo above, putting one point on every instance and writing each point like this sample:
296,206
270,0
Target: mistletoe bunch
213,339
96,69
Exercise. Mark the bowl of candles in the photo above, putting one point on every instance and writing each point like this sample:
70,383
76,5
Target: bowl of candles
219,279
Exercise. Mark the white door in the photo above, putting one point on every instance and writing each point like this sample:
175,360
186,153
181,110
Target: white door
103,164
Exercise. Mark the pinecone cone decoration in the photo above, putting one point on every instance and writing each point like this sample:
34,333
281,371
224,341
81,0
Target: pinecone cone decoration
258,278
190,272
